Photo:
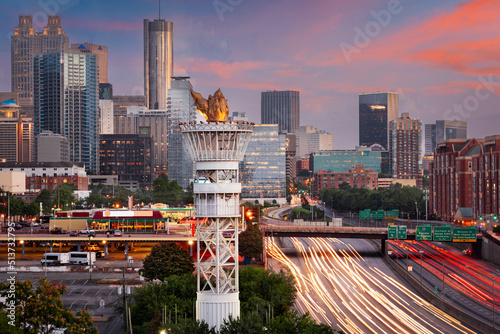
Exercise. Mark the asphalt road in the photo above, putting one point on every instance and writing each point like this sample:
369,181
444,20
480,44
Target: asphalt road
345,284
83,293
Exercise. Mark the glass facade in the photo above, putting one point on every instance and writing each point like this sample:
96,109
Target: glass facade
181,109
263,169
282,108
66,95
375,112
343,161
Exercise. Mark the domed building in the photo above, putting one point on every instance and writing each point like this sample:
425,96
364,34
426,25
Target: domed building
16,134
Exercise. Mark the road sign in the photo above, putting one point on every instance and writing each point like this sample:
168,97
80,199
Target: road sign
392,232
424,233
464,234
364,214
396,232
442,233
402,232
410,267
379,214
391,214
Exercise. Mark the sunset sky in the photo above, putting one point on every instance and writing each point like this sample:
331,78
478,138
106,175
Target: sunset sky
443,57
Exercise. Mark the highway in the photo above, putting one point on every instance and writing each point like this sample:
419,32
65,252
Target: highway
461,280
345,284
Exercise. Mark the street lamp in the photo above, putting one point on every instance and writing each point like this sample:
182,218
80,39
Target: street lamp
416,207
8,200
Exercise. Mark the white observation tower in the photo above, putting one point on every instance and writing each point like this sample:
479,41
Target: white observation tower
216,148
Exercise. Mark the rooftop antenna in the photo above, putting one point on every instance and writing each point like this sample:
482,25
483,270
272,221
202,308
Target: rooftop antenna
159,15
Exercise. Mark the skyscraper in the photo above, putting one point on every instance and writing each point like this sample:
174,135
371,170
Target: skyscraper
66,92
311,139
158,62
26,42
443,130
16,134
405,148
263,169
282,108
102,57
181,109
376,110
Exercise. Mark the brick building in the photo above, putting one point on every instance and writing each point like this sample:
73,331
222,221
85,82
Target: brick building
357,178
464,174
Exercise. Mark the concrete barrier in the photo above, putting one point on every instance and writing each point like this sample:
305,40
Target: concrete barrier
439,302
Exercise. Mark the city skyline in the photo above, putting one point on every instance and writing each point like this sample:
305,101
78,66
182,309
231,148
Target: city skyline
440,58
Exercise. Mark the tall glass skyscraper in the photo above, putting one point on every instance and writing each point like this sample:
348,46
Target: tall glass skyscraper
376,110
26,42
282,108
158,62
66,94
263,169
181,109
443,130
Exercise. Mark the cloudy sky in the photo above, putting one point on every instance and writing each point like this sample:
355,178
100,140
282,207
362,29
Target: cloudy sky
443,57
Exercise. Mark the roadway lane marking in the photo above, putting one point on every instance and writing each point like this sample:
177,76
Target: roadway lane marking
111,292
72,304
73,282
84,291
85,282
71,291
97,292
85,305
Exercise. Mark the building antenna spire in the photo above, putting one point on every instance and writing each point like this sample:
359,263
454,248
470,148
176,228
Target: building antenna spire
159,13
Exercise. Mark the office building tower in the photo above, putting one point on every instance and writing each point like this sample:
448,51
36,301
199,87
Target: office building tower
106,108
66,92
140,120
158,62
26,42
16,134
181,109
291,156
263,169
443,130
129,156
102,57
282,108
376,111
341,161
52,147
405,148
238,116
311,139
122,102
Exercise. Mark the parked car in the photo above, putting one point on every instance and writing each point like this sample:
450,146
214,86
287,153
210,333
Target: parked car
74,233
87,231
18,226
33,224
92,248
43,229
117,233
99,254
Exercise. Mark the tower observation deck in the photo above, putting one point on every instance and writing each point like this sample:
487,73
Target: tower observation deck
216,148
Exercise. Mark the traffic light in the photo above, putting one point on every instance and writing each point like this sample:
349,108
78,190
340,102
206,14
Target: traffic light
249,214
480,217
495,217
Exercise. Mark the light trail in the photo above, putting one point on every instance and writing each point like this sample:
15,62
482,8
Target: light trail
337,287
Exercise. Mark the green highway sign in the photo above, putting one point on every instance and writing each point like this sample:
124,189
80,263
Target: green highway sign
391,214
465,234
364,214
379,214
392,232
442,233
396,232
401,232
424,233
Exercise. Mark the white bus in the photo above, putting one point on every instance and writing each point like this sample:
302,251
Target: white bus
81,257
55,259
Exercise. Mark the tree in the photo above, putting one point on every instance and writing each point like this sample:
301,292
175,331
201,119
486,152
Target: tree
45,196
266,288
167,259
150,301
251,242
41,310
165,191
